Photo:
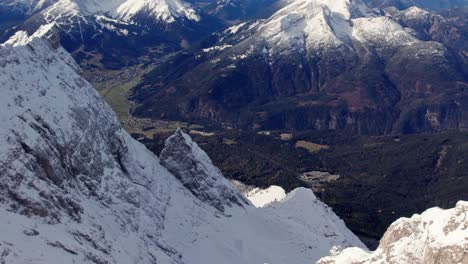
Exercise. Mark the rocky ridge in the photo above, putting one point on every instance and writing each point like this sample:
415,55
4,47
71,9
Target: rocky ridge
435,236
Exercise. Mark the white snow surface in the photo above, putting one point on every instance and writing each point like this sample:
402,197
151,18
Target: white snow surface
163,10
76,188
263,197
313,24
435,236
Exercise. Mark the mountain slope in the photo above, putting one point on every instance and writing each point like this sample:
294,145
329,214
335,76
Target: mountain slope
430,26
435,236
234,11
113,34
315,64
435,5
167,11
24,7
75,187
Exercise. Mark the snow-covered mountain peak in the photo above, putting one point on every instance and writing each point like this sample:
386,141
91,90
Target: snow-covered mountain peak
435,236
311,22
69,12
313,25
160,10
415,12
194,169
87,7
317,27
46,32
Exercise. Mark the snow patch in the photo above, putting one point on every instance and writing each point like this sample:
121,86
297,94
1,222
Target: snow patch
263,197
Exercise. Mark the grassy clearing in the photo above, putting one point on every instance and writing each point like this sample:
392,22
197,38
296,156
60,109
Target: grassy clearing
310,146
117,97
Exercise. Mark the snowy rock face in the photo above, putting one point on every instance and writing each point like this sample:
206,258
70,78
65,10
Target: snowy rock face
85,22
76,188
202,178
313,23
161,10
315,27
77,185
24,7
435,236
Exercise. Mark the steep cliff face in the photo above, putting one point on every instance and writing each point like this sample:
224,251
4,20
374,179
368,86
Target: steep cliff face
202,178
77,185
76,188
435,236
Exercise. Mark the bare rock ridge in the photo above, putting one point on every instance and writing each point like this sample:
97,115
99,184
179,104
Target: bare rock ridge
76,188
436,236
202,178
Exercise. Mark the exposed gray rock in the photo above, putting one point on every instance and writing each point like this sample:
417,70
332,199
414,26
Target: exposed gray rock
190,164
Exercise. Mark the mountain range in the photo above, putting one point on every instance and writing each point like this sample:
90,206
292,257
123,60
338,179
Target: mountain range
320,64
114,34
76,187
364,102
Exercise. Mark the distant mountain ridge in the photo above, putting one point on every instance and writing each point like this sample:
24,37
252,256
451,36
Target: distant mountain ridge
434,5
116,33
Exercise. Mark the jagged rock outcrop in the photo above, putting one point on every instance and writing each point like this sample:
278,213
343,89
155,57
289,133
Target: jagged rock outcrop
432,26
436,236
202,178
